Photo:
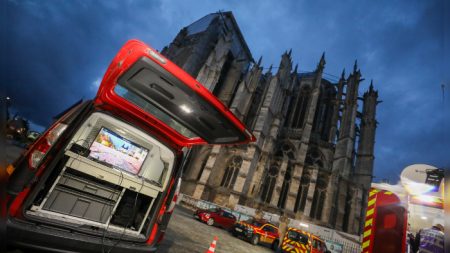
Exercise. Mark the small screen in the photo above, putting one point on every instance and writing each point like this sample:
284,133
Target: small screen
112,149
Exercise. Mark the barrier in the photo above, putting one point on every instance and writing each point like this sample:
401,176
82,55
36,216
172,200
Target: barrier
340,240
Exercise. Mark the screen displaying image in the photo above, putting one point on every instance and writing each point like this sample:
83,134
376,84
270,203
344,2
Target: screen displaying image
117,151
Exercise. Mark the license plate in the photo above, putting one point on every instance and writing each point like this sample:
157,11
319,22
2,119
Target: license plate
238,229
290,246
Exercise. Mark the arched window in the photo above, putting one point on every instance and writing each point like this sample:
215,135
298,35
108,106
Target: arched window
288,150
348,207
301,107
315,158
324,111
231,172
302,191
202,167
285,186
269,183
319,197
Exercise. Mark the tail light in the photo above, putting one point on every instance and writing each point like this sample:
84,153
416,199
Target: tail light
41,148
207,215
175,197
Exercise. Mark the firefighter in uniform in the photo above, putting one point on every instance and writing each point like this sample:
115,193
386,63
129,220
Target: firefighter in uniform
282,228
431,240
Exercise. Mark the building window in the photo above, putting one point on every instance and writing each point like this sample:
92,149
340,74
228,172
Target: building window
231,172
324,111
302,192
202,167
285,186
301,107
319,197
223,75
348,209
269,184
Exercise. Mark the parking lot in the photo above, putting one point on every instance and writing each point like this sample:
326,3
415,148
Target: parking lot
186,235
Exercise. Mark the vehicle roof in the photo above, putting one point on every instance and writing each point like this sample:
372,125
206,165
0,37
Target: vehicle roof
306,232
262,221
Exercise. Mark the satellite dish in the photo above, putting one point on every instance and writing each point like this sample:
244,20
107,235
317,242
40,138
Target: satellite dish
422,178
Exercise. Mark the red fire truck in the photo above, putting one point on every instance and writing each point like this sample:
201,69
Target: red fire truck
385,225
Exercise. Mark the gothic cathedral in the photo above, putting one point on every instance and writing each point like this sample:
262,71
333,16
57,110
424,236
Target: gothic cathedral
314,154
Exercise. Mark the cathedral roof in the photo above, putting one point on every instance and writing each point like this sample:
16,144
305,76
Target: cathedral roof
202,25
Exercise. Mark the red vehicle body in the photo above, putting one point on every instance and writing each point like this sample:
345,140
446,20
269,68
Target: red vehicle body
299,241
216,217
257,232
385,225
77,190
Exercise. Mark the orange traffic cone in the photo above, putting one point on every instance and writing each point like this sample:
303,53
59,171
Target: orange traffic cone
212,247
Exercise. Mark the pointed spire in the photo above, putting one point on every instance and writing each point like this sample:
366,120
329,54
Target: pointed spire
322,62
296,68
343,74
270,69
355,67
371,86
259,61
290,52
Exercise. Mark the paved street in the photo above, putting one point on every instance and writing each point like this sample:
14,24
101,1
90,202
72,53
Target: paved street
186,235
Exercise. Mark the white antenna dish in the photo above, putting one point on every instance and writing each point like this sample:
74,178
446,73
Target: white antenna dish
421,178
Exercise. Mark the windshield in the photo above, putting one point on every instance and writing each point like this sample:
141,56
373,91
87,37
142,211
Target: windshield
213,210
298,237
254,222
148,107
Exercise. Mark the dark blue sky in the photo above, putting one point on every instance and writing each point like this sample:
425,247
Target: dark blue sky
57,52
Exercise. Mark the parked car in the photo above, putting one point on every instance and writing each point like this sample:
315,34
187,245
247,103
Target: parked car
296,240
257,232
104,176
216,217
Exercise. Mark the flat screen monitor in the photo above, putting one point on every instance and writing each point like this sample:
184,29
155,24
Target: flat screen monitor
118,152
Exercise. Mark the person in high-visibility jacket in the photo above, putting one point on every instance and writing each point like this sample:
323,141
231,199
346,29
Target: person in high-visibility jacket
431,240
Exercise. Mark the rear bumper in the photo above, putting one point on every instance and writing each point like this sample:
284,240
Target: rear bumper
25,235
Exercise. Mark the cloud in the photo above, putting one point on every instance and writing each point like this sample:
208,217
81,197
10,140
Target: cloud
58,51
95,84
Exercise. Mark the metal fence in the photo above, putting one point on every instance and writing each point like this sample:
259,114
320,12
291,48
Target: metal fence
340,243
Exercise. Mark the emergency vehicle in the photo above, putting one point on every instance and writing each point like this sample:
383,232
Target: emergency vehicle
104,176
257,231
299,241
385,224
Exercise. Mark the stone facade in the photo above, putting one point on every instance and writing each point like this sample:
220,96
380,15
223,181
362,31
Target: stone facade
313,158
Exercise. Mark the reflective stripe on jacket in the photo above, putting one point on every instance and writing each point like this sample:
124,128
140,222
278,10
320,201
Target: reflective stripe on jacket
431,241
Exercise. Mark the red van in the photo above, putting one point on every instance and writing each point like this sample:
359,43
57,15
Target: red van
103,177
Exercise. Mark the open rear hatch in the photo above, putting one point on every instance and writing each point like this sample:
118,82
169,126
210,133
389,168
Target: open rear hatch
142,82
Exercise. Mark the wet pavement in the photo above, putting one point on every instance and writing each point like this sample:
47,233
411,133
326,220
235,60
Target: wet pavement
186,235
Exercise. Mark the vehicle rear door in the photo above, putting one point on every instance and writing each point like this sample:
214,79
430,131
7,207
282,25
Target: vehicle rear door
270,233
218,217
146,85
316,246
229,219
